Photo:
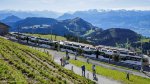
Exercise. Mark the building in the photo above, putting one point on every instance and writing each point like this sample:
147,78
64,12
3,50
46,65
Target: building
4,29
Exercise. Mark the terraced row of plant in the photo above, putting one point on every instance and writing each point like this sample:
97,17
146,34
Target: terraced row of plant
9,74
59,69
31,66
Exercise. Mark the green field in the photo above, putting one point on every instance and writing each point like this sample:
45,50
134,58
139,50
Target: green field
113,74
58,38
145,40
20,64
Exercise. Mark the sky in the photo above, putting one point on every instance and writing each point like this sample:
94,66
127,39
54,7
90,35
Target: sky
73,5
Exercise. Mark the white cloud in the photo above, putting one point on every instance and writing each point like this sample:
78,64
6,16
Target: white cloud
73,5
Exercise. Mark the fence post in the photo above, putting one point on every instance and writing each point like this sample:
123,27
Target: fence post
53,58
87,75
72,68
47,53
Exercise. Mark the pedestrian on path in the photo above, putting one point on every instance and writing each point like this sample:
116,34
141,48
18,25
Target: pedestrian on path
67,55
94,72
127,76
76,56
61,61
83,70
87,60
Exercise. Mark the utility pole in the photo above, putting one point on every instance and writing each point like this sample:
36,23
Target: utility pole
55,37
78,37
18,33
142,57
51,34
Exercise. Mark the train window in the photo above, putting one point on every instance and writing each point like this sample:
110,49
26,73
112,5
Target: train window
64,47
104,50
132,54
75,45
123,58
127,57
138,59
69,44
114,51
89,52
82,46
87,48
124,53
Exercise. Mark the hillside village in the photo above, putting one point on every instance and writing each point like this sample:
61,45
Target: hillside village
36,26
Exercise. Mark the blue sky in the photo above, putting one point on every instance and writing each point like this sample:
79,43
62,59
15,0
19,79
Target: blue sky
73,5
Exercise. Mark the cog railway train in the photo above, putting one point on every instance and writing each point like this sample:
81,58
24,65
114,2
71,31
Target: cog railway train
86,50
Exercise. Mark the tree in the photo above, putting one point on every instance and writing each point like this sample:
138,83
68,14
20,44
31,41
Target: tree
55,37
97,53
27,38
127,44
117,45
80,51
116,57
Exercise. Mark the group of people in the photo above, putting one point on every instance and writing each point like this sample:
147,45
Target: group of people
93,70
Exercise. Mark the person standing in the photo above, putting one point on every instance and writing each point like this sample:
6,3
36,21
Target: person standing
94,72
27,39
67,54
127,76
87,60
97,54
76,56
83,70
61,61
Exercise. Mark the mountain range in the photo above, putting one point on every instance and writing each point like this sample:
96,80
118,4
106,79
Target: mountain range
138,21
10,20
60,27
25,14
113,36
135,20
77,27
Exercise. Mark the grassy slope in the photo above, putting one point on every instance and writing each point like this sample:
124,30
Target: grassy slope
114,74
89,32
145,40
10,74
19,64
49,37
